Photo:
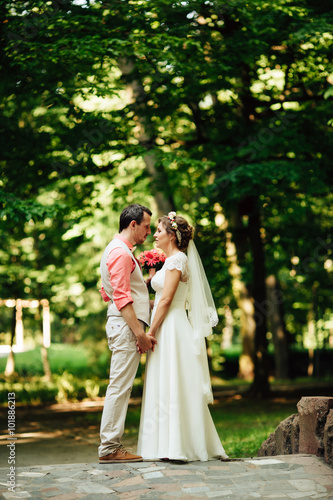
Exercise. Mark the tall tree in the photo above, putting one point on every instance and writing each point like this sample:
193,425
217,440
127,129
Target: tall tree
228,108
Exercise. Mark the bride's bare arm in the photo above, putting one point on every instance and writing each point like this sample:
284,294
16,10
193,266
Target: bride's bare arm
172,278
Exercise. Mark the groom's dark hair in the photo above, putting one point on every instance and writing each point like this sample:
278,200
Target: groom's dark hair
132,212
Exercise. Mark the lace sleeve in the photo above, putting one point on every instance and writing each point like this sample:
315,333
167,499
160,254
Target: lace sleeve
179,262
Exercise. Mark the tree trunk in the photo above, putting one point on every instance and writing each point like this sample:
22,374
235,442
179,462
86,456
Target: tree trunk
242,295
46,364
278,328
165,204
145,134
260,386
312,333
245,302
234,249
44,351
228,330
10,365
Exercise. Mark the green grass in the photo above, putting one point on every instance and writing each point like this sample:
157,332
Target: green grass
244,424
73,358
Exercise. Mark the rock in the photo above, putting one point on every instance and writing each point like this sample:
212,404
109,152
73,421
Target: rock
268,448
309,432
328,438
284,440
313,412
295,435
285,445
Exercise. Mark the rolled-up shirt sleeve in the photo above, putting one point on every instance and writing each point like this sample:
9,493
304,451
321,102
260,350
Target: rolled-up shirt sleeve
104,295
120,266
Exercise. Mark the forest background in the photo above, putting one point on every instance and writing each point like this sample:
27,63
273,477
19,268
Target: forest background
220,110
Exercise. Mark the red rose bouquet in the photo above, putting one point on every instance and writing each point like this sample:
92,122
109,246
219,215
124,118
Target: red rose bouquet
152,259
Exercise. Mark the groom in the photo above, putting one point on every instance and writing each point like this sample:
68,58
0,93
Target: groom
128,314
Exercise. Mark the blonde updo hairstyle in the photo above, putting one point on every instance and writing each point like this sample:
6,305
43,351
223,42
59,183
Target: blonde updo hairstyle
185,229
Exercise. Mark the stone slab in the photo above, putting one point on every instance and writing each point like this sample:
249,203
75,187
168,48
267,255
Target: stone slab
284,477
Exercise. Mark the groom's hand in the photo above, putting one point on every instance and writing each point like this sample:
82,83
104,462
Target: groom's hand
145,342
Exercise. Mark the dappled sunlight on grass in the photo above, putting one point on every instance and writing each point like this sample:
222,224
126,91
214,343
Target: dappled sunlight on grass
244,424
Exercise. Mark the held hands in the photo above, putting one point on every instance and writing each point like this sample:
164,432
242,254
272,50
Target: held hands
145,342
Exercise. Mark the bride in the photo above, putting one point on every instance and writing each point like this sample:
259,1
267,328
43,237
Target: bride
175,420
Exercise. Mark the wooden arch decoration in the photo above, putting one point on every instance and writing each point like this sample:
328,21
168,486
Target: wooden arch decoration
19,330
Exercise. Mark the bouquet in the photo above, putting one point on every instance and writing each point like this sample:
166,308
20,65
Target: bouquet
152,259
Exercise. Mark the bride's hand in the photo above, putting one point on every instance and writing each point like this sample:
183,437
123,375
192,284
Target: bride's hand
153,340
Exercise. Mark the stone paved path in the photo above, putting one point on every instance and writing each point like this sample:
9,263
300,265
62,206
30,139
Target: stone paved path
290,477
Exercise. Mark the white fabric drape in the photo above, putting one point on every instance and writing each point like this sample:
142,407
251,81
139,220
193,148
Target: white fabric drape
202,312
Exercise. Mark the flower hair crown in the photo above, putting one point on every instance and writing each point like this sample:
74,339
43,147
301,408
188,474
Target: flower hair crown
174,225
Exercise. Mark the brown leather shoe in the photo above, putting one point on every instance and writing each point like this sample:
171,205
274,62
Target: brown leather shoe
119,455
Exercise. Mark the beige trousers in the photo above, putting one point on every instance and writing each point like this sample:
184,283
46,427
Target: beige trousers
124,364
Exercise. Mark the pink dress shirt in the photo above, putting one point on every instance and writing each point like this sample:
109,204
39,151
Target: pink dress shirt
120,266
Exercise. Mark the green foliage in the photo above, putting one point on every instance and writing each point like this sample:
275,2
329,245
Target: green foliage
79,373
29,392
231,98
64,387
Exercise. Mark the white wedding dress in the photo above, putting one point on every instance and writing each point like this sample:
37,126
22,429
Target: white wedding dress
175,419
